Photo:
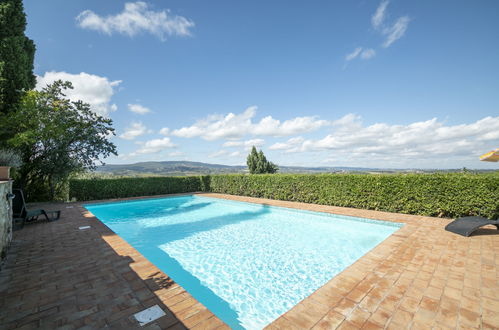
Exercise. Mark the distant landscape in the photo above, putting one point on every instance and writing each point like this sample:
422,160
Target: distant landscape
184,168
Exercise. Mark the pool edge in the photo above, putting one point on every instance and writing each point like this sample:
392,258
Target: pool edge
179,301
337,290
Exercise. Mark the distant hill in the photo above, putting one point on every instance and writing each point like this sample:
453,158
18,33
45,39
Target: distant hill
180,168
169,168
183,168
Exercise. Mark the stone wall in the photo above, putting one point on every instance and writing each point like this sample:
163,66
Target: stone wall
5,217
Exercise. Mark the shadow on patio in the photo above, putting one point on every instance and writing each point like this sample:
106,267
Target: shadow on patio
56,275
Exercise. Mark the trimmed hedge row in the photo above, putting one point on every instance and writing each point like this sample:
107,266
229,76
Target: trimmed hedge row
95,189
442,195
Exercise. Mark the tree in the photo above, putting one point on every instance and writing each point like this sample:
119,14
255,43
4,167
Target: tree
17,53
57,138
258,163
252,160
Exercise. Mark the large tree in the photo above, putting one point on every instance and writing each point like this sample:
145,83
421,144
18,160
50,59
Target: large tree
17,53
258,163
57,138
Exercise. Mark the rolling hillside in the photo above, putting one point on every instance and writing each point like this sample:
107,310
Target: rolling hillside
197,168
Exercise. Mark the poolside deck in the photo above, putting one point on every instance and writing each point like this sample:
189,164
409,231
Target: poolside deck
421,277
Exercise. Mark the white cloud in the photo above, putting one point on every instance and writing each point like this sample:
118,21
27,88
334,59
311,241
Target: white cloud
134,130
390,33
292,145
348,122
233,144
396,31
364,54
379,16
154,146
353,54
235,126
272,127
89,88
246,144
164,131
176,154
137,18
218,153
139,109
429,140
225,153
367,53
215,127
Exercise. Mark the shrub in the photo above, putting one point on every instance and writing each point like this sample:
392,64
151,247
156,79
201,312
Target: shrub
9,157
441,195
95,189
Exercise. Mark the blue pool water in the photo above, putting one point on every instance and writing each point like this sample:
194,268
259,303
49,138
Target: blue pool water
247,263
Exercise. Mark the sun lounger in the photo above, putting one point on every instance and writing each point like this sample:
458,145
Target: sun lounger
22,214
465,226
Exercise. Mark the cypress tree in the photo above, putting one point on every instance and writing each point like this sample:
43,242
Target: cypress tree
252,161
17,54
258,163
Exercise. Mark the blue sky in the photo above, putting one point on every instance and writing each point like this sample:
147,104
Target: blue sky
393,84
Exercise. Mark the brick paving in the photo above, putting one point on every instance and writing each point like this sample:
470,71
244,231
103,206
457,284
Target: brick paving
421,277
57,276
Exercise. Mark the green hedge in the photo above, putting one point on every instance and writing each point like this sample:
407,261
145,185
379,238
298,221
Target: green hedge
441,195
95,189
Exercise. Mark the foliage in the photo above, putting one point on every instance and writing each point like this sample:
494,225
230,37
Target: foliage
16,56
95,189
442,195
258,163
57,138
9,157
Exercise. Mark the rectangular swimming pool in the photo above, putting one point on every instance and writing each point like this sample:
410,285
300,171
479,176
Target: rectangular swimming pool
248,263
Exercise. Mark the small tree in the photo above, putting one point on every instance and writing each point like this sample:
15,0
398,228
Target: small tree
57,137
258,163
252,160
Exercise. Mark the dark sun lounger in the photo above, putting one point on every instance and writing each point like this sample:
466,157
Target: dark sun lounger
23,215
465,226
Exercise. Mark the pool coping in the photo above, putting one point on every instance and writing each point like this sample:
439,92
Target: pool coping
370,293
179,301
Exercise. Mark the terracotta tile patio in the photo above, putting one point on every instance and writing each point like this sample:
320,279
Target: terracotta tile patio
421,277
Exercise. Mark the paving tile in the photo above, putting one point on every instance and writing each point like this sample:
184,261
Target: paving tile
433,292
63,278
332,320
358,317
347,326
381,317
402,317
345,306
420,277
429,304
306,314
371,326
469,318
490,319
447,317
211,323
283,323
409,304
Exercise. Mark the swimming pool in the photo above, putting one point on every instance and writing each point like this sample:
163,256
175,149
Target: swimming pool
248,263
